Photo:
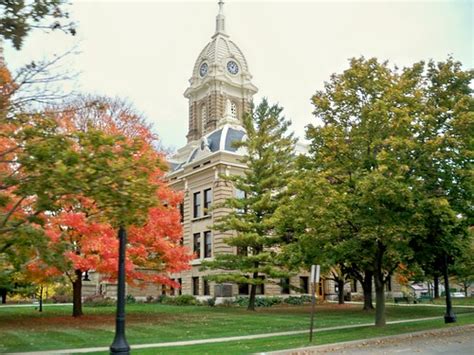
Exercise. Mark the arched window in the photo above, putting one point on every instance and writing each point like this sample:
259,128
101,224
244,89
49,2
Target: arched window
233,110
203,115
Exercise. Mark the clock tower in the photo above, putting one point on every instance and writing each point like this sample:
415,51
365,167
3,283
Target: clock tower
220,89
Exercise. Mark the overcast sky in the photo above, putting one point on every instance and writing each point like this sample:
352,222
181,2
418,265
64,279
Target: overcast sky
145,50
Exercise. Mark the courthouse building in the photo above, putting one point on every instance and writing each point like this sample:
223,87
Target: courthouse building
220,92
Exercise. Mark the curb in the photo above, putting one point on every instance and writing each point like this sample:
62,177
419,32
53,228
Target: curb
366,342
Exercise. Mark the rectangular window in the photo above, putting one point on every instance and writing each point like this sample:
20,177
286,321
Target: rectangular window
304,284
207,201
389,283
354,286
243,289
197,204
180,290
172,290
319,288
163,289
197,245
196,286
207,244
207,288
285,286
239,194
181,211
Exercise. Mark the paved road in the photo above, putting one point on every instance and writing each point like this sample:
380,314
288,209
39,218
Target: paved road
456,340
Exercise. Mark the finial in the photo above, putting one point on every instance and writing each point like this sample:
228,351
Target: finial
220,19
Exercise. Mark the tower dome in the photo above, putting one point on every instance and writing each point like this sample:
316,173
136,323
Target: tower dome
216,54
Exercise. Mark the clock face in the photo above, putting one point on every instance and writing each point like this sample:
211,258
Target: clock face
203,69
232,67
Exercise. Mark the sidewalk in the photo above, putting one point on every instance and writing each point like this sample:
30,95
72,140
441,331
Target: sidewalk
33,305
217,340
411,304
391,344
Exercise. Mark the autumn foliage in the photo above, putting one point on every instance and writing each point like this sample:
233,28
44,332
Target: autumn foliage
82,229
70,176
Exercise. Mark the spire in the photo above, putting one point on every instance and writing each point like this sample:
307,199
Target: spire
220,19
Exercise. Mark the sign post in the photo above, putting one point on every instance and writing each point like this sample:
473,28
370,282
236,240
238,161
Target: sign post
315,270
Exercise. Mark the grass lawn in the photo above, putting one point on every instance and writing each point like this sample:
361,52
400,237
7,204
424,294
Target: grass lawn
465,301
24,329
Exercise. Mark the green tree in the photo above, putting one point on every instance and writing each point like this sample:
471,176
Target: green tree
360,156
463,268
321,225
442,164
269,159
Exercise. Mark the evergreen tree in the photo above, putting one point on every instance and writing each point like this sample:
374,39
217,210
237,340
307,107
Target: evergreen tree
269,159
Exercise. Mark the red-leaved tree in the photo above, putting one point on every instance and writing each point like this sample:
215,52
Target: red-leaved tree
85,230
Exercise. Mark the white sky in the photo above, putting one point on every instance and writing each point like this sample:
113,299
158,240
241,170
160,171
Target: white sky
145,50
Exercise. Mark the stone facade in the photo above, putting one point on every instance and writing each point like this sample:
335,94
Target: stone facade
219,94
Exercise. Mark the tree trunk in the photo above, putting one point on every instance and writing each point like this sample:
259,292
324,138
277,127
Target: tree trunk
367,288
436,286
41,299
253,291
465,289
340,290
379,287
77,295
449,316
379,301
3,293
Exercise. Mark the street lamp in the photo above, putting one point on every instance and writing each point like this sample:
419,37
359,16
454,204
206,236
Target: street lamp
120,345
449,316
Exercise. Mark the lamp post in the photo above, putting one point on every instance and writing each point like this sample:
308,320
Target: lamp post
120,345
315,270
449,316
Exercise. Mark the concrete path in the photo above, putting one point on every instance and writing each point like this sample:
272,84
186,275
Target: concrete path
33,305
453,340
217,340
412,304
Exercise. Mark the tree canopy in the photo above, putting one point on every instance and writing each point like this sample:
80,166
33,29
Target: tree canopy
269,159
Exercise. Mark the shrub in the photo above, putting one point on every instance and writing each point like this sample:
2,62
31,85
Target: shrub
149,299
259,301
267,301
182,300
62,298
297,300
98,301
185,300
130,299
162,299
241,301
211,302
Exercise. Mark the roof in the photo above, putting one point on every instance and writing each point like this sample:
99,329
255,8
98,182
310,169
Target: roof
218,51
222,139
